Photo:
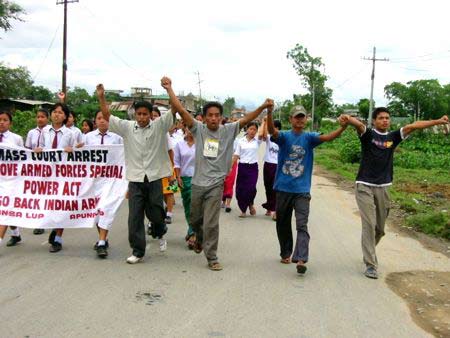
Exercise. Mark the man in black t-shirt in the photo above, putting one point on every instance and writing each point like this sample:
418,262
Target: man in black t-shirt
375,175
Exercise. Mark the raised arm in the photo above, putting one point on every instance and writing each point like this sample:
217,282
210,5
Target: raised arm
102,100
345,119
334,134
62,97
270,127
166,83
254,114
408,129
262,132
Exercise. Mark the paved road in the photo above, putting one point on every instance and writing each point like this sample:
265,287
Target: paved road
173,294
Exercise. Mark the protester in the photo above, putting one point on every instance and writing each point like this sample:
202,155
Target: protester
102,136
270,168
293,183
214,146
8,137
247,154
86,127
147,162
375,175
184,164
228,185
33,140
58,136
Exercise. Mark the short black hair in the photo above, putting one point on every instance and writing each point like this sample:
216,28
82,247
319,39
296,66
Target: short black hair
7,113
89,123
43,111
251,124
211,105
64,108
277,124
143,104
378,111
156,110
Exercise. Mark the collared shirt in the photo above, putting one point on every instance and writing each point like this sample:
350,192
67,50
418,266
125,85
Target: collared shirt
184,158
146,151
35,136
247,150
11,138
78,135
64,139
95,138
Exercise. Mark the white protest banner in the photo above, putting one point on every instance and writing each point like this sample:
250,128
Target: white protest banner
56,189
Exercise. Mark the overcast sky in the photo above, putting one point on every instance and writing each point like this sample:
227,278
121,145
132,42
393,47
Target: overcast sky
239,47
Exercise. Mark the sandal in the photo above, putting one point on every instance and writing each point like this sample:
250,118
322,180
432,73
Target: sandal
252,210
191,242
286,260
197,247
215,266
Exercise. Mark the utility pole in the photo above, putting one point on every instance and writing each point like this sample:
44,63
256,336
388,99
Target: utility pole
200,89
313,94
64,65
373,59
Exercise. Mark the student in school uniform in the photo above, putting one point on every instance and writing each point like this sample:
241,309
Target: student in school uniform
8,137
102,136
34,137
58,136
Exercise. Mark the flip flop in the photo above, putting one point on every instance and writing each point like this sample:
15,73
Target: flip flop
198,248
286,260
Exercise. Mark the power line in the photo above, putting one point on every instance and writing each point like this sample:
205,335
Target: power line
46,54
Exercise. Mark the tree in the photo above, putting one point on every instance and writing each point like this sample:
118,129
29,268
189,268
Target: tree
308,68
228,106
39,93
14,82
421,99
363,108
9,11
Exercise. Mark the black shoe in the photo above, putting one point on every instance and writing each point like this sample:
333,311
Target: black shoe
38,231
102,252
106,245
227,209
168,220
55,247
14,240
301,269
51,237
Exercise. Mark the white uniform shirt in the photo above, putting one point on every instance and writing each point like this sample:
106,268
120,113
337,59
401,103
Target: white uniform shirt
35,136
77,134
247,150
271,155
95,138
184,158
64,139
11,138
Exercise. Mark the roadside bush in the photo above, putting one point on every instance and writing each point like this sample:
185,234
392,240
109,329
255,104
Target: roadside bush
435,223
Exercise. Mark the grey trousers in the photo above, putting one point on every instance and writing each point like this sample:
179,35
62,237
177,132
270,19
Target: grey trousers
374,205
144,196
286,202
205,212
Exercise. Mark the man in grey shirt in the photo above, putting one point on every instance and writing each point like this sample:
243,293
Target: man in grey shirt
213,153
146,162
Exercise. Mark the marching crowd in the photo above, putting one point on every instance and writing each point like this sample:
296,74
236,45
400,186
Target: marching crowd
208,159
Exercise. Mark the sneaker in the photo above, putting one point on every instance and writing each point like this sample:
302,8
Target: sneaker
38,231
227,209
106,245
55,247
162,245
222,205
149,229
102,251
301,269
168,220
371,272
14,240
133,259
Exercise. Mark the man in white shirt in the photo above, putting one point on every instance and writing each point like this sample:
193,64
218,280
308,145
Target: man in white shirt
147,161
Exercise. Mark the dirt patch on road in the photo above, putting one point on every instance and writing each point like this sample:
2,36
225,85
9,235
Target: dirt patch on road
428,296
434,190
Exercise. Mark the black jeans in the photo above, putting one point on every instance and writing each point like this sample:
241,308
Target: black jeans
144,196
286,202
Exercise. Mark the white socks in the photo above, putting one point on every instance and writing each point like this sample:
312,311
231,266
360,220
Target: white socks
101,242
15,232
